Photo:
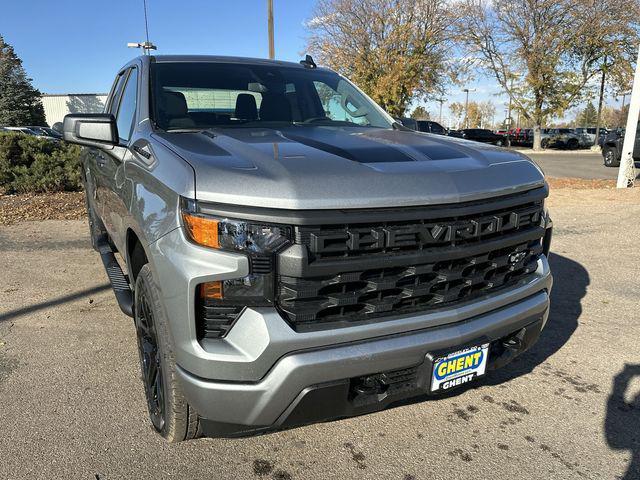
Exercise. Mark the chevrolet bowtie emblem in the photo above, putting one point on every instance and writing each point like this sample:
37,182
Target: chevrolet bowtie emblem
516,257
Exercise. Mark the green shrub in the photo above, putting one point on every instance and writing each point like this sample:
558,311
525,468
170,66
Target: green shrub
30,164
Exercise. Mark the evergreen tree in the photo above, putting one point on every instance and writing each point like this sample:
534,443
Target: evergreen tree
420,113
587,117
20,102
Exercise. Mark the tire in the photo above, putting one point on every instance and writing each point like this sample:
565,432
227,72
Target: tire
572,143
611,158
544,143
499,143
169,412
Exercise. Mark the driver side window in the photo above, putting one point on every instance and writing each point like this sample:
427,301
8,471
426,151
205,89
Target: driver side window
127,110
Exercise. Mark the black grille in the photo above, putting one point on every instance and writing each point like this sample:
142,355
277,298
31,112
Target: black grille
421,265
360,295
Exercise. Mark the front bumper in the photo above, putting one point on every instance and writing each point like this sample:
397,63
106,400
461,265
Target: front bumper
289,393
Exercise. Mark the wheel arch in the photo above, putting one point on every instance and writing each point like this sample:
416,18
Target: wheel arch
136,255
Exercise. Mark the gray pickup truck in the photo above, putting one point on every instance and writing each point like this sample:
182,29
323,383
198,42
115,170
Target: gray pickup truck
291,254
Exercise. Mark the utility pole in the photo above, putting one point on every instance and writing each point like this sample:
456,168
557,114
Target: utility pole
466,106
441,101
627,171
272,49
602,83
509,113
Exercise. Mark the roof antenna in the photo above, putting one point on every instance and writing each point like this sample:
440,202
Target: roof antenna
146,45
308,62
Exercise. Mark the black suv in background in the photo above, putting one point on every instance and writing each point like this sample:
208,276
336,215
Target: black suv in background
480,135
612,147
429,126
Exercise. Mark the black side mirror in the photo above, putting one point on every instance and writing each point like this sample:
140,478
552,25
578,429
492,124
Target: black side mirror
91,129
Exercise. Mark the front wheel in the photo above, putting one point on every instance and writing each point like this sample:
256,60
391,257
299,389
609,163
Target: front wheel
499,143
572,143
611,157
170,414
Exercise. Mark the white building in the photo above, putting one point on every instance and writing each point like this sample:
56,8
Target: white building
56,106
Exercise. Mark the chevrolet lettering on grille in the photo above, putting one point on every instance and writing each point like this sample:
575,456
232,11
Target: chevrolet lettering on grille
419,234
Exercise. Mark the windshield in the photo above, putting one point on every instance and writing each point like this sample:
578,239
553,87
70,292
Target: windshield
204,95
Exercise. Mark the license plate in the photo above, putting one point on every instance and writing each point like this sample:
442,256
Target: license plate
459,368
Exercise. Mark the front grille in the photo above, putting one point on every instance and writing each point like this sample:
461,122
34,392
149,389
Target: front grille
361,272
360,295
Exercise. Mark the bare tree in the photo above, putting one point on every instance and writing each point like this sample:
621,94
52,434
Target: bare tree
395,50
457,111
543,53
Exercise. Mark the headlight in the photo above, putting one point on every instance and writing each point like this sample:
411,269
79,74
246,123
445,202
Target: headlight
219,302
232,235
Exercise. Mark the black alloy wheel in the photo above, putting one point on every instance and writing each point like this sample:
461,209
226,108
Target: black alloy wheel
150,361
610,159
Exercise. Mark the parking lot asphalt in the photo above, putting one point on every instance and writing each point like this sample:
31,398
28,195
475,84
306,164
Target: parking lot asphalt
574,164
72,404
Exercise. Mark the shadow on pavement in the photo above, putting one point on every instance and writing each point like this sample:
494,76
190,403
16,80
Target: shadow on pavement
570,281
622,423
53,302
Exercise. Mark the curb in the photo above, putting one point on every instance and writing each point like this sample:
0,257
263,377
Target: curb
568,153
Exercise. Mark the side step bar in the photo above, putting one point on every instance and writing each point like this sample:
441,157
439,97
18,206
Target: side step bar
119,281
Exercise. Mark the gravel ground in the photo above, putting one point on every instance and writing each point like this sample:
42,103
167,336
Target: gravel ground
72,405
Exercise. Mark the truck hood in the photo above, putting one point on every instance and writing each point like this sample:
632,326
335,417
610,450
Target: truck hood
302,167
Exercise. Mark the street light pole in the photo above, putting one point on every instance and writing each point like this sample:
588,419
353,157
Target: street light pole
466,108
272,50
624,98
441,100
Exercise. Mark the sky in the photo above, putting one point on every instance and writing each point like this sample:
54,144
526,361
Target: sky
77,46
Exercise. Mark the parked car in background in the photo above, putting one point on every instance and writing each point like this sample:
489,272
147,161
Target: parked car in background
407,122
480,135
563,138
521,136
612,147
45,131
25,130
37,131
429,126
590,134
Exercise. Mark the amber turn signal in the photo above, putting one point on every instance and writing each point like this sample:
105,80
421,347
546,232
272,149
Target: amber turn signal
203,231
211,290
